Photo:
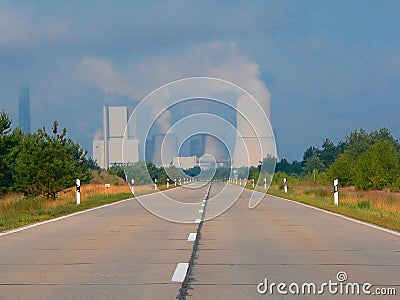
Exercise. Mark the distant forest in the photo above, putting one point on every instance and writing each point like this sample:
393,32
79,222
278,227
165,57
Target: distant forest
364,160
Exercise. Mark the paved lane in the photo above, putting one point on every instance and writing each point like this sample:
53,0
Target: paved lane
287,242
118,252
124,252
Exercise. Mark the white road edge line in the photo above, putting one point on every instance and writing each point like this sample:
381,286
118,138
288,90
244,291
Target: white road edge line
192,237
342,216
180,272
60,218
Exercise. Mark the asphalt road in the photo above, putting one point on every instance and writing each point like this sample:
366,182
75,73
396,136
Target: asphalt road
124,252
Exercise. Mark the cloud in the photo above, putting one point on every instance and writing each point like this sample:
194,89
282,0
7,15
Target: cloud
214,59
105,77
12,28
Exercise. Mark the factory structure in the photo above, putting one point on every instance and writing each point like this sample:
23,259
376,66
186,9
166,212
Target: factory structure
120,142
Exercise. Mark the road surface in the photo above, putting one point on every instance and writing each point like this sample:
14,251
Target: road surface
124,252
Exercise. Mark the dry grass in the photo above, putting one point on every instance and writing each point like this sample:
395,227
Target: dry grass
10,197
16,210
68,195
382,200
102,177
378,207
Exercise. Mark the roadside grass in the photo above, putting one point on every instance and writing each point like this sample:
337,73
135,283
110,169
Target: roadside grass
381,208
17,211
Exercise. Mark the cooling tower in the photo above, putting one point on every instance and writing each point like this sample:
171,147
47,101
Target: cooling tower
195,148
214,147
254,139
165,149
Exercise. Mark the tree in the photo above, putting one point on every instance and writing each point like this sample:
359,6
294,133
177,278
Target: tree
46,164
309,153
343,169
152,169
5,123
283,166
382,134
116,170
328,153
222,173
312,166
378,167
138,172
162,175
253,173
358,142
295,168
9,139
196,170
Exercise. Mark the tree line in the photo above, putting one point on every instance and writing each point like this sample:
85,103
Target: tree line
40,163
364,160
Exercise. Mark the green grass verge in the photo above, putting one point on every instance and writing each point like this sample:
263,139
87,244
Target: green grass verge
367,214
358,211
31,210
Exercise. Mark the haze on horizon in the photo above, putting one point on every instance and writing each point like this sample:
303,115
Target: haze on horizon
330,67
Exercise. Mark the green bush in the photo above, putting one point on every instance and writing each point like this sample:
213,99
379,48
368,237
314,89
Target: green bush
378,167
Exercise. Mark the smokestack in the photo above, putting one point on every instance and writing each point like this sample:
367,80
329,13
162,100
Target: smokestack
24,114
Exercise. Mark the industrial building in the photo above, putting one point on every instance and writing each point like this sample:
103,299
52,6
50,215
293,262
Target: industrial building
119,144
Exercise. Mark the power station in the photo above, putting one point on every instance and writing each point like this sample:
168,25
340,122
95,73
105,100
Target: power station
120,142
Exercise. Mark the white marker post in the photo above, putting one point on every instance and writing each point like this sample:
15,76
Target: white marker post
175,182
167,183
285,185
155,184
265,183
240,181
180,181
253,182
133,186
336,192
107,185
78,192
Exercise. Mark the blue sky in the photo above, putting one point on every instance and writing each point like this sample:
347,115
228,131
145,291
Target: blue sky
330,66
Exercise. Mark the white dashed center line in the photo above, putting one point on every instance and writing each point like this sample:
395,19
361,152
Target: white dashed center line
180,272
192,237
